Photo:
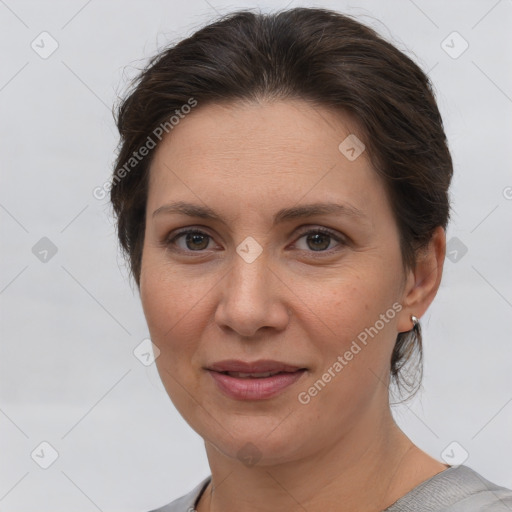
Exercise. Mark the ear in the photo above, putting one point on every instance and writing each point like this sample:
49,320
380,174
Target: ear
422,282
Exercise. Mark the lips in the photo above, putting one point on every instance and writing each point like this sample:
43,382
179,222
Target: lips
242,375
257,380
261,367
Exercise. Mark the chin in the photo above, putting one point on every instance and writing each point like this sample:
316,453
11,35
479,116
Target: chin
257,446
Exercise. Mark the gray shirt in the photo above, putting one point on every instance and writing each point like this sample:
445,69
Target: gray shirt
456,489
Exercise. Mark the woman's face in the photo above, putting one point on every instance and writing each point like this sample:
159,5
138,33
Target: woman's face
267,279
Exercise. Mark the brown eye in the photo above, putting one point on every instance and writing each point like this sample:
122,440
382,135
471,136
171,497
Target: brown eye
197,241
319,240
194,240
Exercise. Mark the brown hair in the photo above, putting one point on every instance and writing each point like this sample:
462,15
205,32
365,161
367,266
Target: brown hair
316,55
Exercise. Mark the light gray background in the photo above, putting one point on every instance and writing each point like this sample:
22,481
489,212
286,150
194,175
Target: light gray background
68,374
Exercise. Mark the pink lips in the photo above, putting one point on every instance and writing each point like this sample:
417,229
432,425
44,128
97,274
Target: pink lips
254,388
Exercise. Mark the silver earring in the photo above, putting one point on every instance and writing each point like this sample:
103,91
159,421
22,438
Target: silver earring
415,322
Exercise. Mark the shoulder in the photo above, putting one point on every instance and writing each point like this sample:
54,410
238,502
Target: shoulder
476,493
186,502
456,489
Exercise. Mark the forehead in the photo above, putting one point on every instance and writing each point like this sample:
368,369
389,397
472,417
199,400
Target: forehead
261,153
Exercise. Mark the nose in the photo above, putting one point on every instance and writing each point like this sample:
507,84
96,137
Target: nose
252,299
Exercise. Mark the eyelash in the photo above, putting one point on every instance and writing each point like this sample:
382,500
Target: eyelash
170,241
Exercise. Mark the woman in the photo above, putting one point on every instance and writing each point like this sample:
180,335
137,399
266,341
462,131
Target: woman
281,191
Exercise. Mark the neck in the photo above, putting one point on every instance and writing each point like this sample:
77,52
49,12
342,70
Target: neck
367,468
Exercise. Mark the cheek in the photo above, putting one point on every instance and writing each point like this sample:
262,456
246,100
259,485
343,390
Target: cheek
354,317
355,333
173,315
178,311
352,299
168,305
168,296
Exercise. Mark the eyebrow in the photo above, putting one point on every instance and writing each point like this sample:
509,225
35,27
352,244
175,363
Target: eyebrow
294,212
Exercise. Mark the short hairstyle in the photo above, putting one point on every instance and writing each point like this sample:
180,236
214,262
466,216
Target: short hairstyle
319,56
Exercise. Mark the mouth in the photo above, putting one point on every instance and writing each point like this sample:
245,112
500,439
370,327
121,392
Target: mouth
262,375
257,368
254,381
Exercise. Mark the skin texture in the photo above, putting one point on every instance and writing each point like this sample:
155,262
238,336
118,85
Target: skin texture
294,304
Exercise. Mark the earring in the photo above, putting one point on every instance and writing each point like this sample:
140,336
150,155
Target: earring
415,323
